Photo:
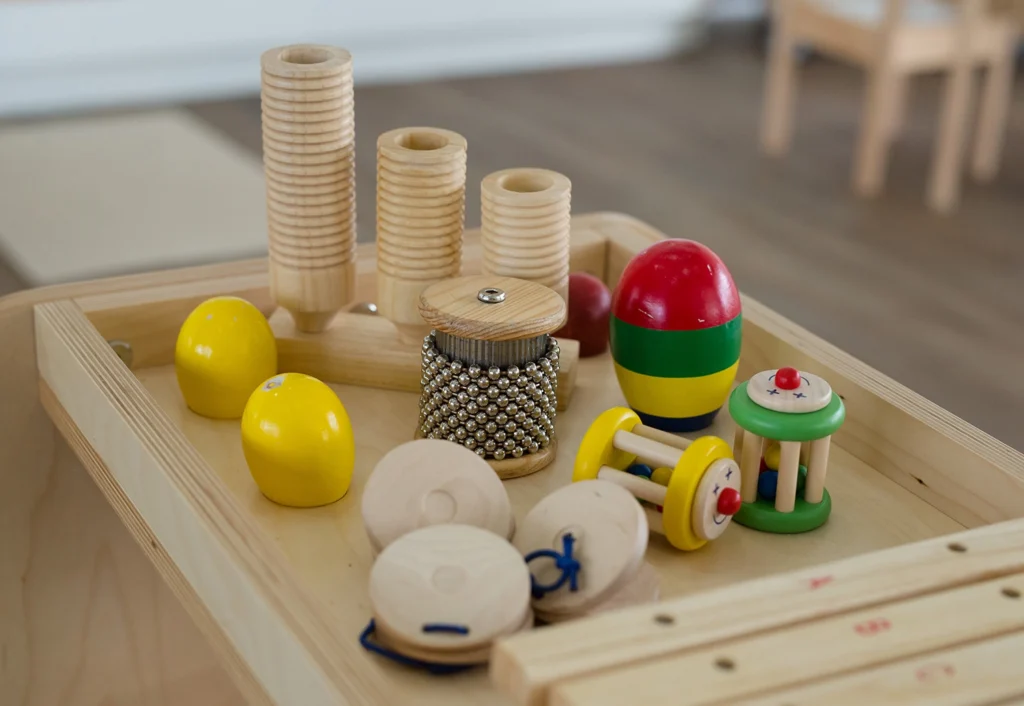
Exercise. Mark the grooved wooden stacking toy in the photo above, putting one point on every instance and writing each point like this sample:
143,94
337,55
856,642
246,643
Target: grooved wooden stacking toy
703,491
490,369
585,546
800,412
421,206
525,226
309,163
442,595
430,482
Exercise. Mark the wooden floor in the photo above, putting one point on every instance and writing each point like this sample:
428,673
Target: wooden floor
937,303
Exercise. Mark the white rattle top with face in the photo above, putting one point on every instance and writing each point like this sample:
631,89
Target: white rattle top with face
790,391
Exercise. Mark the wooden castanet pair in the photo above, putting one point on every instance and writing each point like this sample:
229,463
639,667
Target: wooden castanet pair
702,492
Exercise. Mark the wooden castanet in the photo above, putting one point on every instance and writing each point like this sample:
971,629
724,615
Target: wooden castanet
309,161
421,188
512,201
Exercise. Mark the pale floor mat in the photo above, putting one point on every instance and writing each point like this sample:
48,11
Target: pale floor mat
109,195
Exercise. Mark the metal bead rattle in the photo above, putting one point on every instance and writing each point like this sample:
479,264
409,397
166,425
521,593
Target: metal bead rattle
490,369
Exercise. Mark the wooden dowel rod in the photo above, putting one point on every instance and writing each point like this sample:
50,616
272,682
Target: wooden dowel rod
789,468
667,438
814,491
639,487
750,465
647,449
655,520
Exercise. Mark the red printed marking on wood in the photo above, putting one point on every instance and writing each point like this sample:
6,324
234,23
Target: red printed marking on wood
932,672
872,627
821,581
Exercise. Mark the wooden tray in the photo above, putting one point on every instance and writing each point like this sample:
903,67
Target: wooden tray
281,594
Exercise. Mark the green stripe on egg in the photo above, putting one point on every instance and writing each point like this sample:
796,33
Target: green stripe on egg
676,354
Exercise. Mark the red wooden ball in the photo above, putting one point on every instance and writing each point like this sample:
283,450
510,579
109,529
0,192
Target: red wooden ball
590,303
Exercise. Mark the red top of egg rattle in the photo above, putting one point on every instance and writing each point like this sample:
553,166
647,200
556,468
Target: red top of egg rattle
676,285
729,502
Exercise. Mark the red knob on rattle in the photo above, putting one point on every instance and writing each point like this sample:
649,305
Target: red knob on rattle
729,502
787,379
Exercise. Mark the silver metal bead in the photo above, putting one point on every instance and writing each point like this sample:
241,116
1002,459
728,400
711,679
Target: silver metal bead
513,391
511,428
517,452
425,429
520,417
550,410
529,406
490,427
481,417
483,382
509,445
532,446
501,418
453,405
492,410
543,439
483,400
472,407
493,393
480,451
530,367
473,390
501,401
456,366
512,409
461,433
454,386
453,421
499,454
462,414
471,425
512,372
432,368
500,436
503,383
489,446
463,398
480,435
521,399
469,443
528,424
474,371
447,374
452,438
519,435
446,393
442,359
494,372
464,379
442,429
536,412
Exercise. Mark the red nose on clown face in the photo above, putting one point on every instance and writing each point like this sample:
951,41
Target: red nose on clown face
729,502
787,379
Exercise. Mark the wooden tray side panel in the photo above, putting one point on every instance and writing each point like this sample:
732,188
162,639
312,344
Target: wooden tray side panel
274,625
84,618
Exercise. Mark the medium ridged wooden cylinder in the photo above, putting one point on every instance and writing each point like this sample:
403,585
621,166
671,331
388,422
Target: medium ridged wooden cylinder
309,164
421,207
525,226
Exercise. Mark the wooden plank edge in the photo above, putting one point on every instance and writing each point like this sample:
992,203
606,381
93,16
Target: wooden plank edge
245,582
229,657
978,672
833,646
527,665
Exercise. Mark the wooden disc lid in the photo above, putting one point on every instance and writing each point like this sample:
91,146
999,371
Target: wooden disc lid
449,587
610,532
431,482
492,308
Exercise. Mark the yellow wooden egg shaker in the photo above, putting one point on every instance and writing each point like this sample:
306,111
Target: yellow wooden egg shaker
225,349
297,440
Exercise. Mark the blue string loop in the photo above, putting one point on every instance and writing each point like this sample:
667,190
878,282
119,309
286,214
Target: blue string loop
433,668
564,562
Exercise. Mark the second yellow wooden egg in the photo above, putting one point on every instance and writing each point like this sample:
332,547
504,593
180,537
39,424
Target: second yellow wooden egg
298,443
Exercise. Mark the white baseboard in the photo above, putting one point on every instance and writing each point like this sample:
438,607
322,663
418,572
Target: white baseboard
82,54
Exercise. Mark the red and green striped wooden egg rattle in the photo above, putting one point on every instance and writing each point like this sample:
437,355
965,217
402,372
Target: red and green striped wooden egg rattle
675,335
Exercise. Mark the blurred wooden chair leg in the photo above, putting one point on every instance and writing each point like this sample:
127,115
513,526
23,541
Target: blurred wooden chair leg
779,90
873,144
898,107
995,106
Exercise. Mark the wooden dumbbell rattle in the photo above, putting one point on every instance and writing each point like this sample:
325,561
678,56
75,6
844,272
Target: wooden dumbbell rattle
703,491
442,595
430,482
585,547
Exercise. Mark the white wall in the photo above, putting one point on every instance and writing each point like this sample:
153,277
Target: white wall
72,54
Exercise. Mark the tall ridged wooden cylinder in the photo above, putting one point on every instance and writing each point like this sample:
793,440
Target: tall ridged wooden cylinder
421,208
525,226
309,163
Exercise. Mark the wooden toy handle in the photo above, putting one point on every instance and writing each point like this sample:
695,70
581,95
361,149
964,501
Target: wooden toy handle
667,438
309,163
647,449
639,487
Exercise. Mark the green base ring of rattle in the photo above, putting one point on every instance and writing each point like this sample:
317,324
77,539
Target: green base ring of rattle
762,516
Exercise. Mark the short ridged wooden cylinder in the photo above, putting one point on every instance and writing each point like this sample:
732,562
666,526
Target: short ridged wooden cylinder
421,207
525,226
309,163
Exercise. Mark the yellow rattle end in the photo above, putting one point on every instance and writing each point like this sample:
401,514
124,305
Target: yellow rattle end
772,451
225,349
298,443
